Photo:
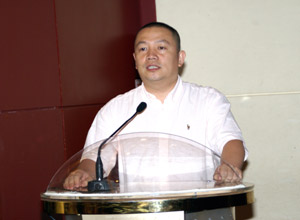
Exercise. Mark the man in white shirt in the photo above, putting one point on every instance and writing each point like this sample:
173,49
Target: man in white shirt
199,113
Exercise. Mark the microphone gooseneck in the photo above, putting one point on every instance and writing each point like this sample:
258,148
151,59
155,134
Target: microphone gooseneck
99,184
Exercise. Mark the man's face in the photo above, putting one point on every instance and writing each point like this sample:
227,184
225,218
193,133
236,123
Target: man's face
156,56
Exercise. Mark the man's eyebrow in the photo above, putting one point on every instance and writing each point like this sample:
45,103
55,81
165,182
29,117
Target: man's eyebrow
139,43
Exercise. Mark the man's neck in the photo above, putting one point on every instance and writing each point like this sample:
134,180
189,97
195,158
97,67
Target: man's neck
160,91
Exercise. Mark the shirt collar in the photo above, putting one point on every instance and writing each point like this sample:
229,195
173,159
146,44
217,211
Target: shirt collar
172,96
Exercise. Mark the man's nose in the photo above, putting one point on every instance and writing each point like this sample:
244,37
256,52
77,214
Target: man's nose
151,55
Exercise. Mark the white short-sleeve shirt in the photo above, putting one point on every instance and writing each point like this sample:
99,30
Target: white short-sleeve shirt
199,113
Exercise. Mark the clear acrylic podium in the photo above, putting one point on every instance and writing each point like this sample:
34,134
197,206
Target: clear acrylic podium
148,173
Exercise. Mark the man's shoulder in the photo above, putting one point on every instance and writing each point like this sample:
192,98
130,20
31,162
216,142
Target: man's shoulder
196,88
125,99
128,94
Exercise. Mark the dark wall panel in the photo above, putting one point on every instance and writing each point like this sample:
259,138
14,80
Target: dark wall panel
28,55
147,11
31,150
77,122
60,61
95,49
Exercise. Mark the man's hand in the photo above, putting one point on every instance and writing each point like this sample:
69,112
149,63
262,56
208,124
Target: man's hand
234,154
226,174
76,179
81,176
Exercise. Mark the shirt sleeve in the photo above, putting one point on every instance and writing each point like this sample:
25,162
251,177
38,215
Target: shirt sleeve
97,133
222,125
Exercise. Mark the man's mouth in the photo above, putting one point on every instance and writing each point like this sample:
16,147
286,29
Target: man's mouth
152,67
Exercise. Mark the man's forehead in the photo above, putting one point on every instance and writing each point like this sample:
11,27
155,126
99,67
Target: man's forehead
156,34
161,41
154,30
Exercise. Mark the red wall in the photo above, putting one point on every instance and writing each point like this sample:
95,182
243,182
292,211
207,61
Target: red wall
60,61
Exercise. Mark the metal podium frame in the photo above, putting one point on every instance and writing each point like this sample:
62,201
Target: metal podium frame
191,201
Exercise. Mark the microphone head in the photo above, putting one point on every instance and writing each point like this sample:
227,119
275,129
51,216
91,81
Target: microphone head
141,107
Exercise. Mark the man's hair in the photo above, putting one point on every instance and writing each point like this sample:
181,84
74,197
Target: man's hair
168,27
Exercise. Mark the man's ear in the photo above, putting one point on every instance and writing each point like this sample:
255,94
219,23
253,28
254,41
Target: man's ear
181,58
134,60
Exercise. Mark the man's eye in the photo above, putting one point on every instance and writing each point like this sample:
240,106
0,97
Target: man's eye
142,49
161,48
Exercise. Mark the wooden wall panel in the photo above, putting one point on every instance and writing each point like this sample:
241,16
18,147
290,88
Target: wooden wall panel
95,49
60,62
28,55
31,150
77,121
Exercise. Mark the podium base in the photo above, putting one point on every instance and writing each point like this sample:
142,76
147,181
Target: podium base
216,214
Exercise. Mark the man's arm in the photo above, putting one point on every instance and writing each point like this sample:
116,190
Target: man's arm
234,154
80,177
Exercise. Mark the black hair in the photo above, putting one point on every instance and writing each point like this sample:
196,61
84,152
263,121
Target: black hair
166,26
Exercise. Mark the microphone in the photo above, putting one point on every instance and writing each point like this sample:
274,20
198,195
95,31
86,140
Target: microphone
99,184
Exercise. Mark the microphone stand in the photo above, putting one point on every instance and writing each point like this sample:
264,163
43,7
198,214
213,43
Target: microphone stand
100,184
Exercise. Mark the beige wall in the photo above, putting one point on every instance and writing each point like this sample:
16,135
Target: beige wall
250,50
